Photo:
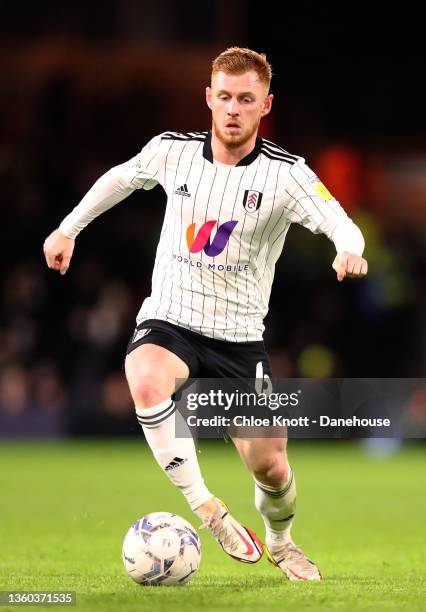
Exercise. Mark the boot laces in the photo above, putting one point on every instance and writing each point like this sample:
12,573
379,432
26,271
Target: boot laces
220,530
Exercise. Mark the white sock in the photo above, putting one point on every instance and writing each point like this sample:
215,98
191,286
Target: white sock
277,506
176,456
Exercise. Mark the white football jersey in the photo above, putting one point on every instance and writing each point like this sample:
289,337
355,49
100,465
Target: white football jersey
224,228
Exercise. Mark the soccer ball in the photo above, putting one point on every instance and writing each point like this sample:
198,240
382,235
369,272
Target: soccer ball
161,549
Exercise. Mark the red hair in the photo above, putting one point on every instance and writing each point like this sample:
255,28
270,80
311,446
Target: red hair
238,60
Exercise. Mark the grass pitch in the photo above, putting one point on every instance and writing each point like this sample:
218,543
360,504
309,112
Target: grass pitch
65,508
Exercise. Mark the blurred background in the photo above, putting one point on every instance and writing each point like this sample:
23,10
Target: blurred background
86,84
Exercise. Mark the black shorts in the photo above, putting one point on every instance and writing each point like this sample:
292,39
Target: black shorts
205,357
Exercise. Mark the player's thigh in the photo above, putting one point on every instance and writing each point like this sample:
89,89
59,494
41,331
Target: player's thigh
152,372
261,454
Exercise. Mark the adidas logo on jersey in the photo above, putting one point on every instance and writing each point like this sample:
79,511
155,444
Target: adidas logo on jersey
183,191
174,463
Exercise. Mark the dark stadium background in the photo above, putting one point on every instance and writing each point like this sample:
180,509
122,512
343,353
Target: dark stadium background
85,85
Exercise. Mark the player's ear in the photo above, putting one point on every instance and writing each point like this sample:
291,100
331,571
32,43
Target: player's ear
267,105
209,97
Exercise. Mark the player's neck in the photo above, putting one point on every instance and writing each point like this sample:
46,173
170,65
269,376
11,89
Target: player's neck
231,155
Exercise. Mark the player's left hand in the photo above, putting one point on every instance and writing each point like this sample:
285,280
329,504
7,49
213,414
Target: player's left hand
350,265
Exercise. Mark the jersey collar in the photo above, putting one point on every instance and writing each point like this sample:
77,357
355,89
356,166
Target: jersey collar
248,159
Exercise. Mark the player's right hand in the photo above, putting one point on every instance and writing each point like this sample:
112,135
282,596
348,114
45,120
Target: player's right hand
58,251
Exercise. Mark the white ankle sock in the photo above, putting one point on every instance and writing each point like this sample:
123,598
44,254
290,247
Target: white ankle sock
277,506
176,456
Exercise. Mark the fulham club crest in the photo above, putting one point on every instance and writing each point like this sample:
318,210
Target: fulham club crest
252,200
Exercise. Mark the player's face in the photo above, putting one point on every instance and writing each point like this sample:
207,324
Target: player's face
238,103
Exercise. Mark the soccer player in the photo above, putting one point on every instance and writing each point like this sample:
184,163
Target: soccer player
231,197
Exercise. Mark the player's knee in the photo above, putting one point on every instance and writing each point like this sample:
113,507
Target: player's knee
148,392
272,472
